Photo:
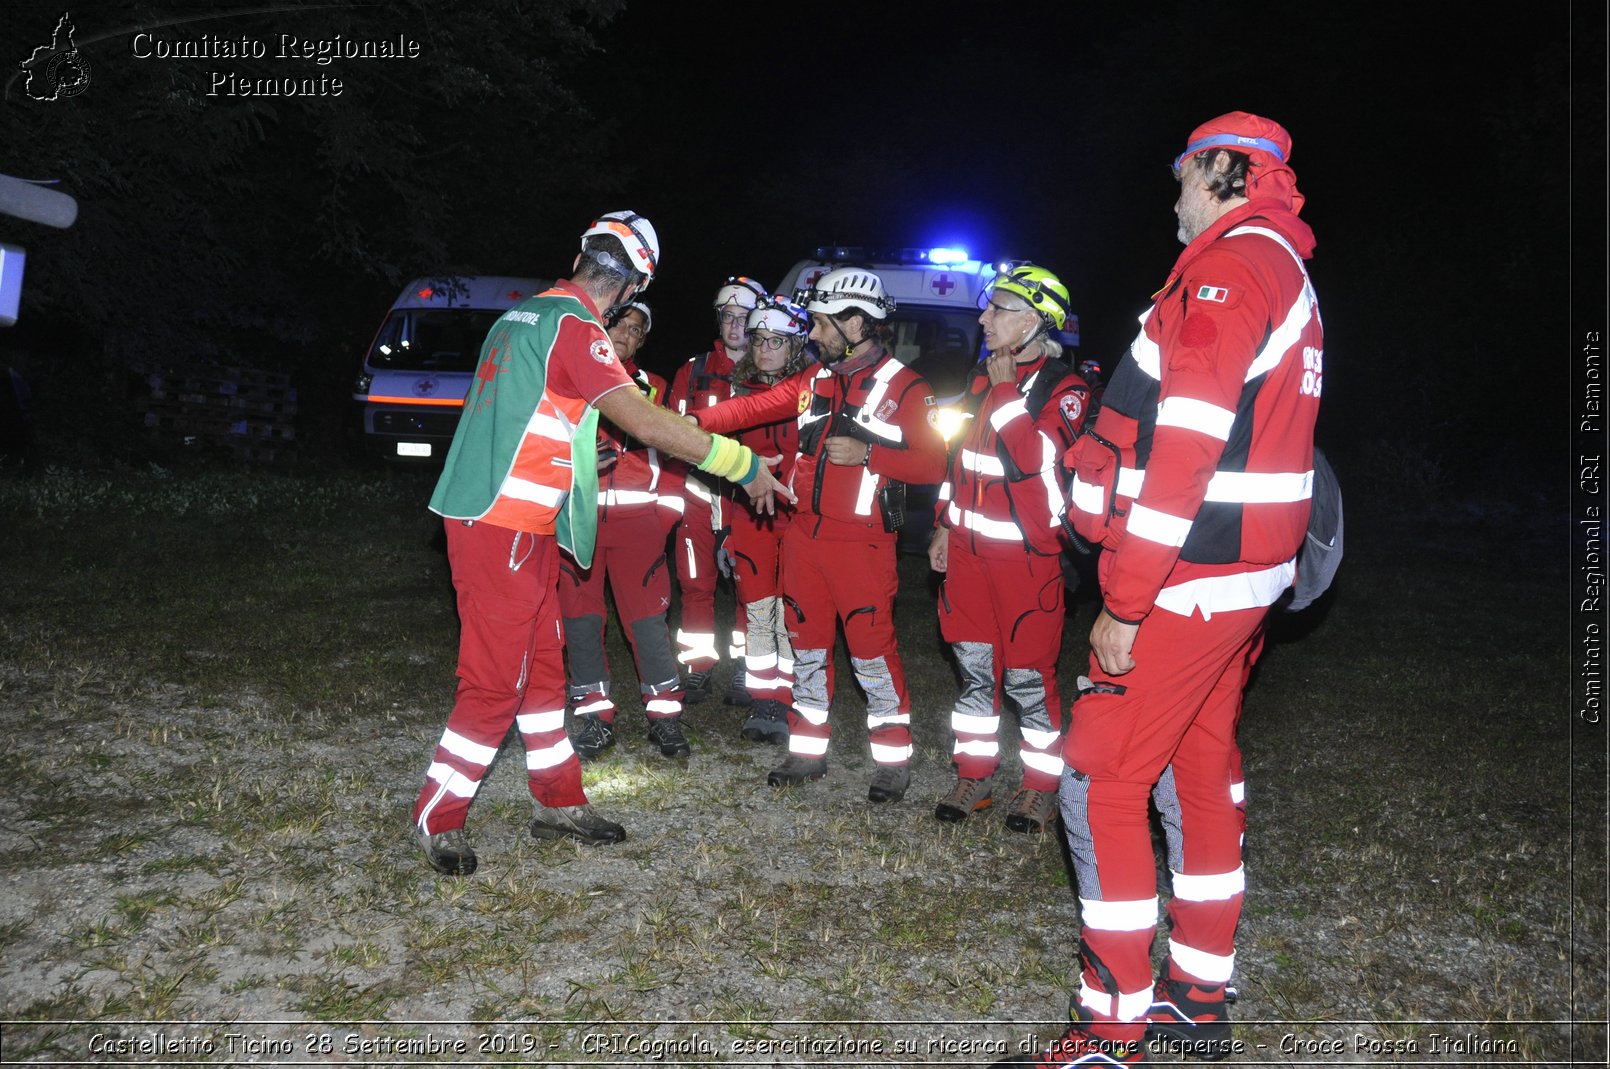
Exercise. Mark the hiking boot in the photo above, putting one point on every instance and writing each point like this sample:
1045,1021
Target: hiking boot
767,721
889,783
1078,1047
449,852
796,769
695,687
666,733
1190,1019
737,693
967,796
1031,811
593,735
577,822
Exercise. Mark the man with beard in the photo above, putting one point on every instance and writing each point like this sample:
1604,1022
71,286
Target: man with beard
1197,480
866,428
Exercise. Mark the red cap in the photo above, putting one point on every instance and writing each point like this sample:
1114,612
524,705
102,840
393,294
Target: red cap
1264,141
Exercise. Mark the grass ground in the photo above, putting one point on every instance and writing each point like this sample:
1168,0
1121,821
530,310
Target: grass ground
217,698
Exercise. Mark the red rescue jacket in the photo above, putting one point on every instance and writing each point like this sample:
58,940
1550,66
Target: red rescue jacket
872,397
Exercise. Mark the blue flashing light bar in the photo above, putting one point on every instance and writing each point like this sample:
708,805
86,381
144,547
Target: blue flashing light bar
943,256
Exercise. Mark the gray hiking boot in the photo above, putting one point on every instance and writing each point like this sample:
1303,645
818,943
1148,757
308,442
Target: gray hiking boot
592,737
889,783
666,733
966,797
767,721
577,822
796,769
449,852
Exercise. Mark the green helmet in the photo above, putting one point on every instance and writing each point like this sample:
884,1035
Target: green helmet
1044,291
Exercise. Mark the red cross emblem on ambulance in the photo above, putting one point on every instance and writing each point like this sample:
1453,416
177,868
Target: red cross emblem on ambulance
942,284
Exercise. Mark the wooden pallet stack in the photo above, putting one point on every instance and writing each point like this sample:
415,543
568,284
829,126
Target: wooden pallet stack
248,412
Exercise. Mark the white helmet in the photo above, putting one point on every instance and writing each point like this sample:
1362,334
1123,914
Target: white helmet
845,288
639,307
741,290
636,235
780,316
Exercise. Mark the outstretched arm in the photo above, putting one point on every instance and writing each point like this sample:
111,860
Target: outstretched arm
658,427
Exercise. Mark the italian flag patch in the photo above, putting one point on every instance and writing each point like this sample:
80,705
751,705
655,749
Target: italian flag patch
1216,294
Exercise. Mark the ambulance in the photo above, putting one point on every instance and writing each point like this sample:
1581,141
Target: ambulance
411,387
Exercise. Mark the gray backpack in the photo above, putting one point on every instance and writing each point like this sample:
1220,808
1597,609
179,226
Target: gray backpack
1321,552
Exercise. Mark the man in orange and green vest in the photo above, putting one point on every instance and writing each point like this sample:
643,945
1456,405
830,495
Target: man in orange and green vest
521,484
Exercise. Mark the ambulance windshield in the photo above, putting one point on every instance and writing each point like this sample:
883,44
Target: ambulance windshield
939,344
431,339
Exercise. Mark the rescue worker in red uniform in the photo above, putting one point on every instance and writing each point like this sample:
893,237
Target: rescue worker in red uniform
867,426
633,526
701,382
752,548
1197,481
998,543
519,484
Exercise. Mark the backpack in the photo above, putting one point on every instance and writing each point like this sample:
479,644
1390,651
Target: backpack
1321,552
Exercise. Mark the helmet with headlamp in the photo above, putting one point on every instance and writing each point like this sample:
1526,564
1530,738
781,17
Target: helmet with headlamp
1043,290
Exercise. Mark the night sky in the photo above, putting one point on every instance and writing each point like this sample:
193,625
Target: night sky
1047,136
1435,146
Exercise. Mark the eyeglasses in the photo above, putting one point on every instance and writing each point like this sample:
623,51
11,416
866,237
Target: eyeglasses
771,344
1001,309
636,333
728,318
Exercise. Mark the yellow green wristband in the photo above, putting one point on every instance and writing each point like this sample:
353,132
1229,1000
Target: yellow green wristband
730,460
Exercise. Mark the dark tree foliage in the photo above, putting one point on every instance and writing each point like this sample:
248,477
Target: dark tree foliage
273,229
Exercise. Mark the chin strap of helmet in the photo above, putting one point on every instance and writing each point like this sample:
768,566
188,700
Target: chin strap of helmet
849,347
1034,336
618,305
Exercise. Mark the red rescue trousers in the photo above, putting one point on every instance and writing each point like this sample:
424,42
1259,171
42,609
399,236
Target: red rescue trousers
1167,724
851,579
630,559
757,544
1003,615
510,671
695,553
